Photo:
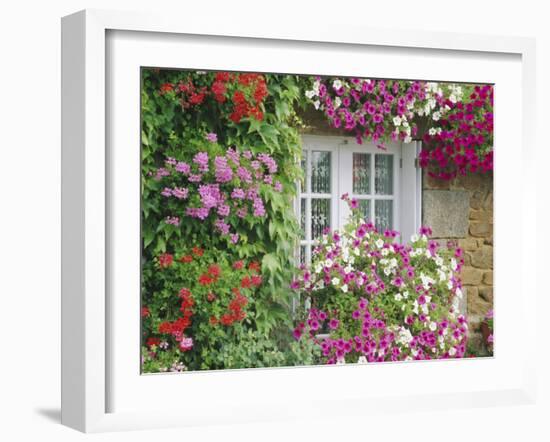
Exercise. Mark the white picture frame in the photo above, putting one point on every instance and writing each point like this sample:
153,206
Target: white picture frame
85,209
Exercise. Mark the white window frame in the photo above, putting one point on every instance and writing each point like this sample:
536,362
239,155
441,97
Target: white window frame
407,184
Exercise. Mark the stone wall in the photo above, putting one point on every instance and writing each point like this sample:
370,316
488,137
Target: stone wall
462,210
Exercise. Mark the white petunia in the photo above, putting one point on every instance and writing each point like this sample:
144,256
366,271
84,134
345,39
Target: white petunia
452,351
316,104
384,252
398,297
337,102
436,116
379,243
405,294
397,121
454,264
345,288
407,139
433,326
362,360
337,84
335,281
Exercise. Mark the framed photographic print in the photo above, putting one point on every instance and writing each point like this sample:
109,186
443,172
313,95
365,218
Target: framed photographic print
272,222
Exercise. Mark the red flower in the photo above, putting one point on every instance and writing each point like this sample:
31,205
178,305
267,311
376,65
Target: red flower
237,265
145,312
165,327
196,98
226,319
165,260
213,320
211,296
186,259
184,293
197,251
254,266
166,87
153,341
214,270
222,76
246,282
257,280
205,279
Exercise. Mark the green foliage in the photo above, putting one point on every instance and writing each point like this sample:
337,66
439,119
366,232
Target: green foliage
172,126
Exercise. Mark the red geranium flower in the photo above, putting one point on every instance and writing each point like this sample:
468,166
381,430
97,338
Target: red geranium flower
213,320
153,341
254,266
186,259
145,312
246,282
165,327
214,270
237,265
257,280
165,260
184,293
166,87
197,251
205,279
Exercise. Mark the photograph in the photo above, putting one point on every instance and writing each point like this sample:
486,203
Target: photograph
291,220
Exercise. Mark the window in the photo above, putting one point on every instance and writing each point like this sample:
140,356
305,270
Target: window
386,184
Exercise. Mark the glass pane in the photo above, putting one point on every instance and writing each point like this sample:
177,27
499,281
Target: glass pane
320,216
383,213
303,209
364,207
305,183
320,172
383,174
361,173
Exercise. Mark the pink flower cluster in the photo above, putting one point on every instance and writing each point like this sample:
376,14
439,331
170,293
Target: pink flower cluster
368,107
464,142
380,300
225,188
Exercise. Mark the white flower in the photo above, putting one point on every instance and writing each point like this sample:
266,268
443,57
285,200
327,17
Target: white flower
310,94
337,84
387,271
384,252
316,104
454,265
335,281
432,131
458,293
438,260
348,269
328,262
452,98
425,309
452,351
397,121
405,294
407,139
337,102
379,243
362,360
436,116
433,326
398,297
345,288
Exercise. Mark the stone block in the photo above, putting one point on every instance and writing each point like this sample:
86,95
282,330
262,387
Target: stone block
471,276
488,277
486,293
481,229
482,258
446,212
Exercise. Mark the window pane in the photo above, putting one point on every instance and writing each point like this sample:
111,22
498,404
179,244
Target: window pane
320,216
320,172
383,213
364,207
305,182
361,173
303,209
383,174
